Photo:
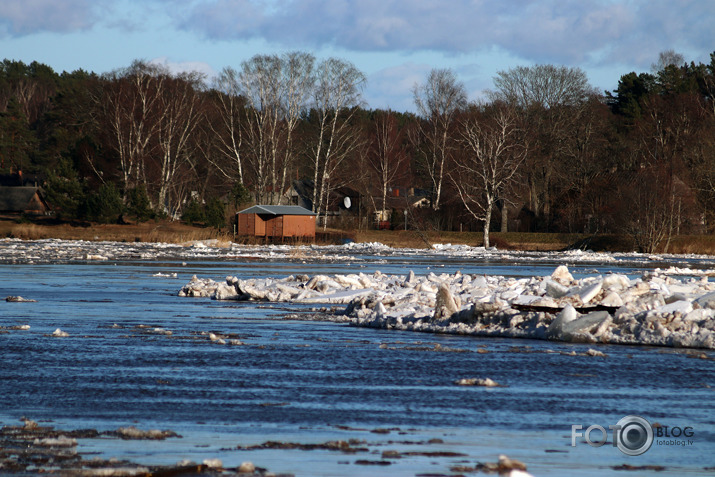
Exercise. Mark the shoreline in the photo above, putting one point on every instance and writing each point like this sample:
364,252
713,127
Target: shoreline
166,231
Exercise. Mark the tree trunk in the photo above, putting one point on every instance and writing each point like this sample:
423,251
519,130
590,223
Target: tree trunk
487,222
504,218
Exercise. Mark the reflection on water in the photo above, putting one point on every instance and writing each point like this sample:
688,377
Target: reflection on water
311,382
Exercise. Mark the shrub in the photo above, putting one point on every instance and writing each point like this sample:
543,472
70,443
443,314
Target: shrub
64,190
138,204
216,213
106,205
193,213
241,195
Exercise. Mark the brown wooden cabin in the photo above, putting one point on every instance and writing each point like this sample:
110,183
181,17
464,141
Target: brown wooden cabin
276,222
19,200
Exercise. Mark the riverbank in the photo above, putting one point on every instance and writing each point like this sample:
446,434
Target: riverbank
176,232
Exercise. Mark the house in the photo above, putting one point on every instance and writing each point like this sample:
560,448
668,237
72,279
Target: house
398,200
341,200
22,200
276,222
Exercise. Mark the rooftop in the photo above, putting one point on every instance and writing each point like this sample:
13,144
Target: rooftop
277,210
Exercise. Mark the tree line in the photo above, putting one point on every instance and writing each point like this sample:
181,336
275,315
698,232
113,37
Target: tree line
542,151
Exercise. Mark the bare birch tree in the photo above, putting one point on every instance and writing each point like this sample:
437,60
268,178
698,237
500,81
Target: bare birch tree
495,151
277,89
337,92
667,58
227,127
438,100
259,109
260,83
180,114
297,83
387,153
128,106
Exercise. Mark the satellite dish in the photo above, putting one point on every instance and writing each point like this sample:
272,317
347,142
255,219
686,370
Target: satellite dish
346,202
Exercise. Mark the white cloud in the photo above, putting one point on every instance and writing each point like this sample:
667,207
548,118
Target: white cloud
543,31
392,87
23,17
185,66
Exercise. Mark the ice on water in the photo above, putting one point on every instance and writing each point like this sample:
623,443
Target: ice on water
674,306
59,251
655,309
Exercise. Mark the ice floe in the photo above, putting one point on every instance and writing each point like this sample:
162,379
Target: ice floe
486,382
19,299
60,441
60,334
654,309
68,251
132,432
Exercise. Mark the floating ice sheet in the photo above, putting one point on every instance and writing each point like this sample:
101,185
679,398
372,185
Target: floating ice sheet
614,309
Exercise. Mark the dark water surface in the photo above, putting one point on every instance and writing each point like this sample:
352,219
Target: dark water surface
310,382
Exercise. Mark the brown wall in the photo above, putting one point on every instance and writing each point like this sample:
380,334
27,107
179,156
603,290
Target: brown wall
251,224
260,227
36,205
274,226
280,226
246,224
299,226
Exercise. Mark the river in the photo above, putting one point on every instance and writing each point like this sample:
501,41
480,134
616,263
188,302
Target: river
310,382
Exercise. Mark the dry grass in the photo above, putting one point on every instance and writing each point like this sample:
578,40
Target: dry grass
504,241
170,232
27,232
700,244
175,232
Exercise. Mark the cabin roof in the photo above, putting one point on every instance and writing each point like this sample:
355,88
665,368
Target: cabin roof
17,199
277,210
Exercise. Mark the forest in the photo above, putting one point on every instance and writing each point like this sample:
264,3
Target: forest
542,151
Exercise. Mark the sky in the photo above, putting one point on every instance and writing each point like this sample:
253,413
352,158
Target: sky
395,43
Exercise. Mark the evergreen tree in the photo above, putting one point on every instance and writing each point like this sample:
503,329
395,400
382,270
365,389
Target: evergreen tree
241,195
628,98
397,219
193,213
17,142
139,205
106,205
64,190
216,213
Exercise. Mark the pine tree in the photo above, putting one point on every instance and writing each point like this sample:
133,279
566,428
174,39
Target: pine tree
17,142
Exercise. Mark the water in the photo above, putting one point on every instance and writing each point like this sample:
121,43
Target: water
311,382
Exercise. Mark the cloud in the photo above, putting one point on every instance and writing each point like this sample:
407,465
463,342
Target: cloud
224,19
559,31
185,66
392,87
24,17
661,25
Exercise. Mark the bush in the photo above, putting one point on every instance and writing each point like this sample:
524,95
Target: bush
241,195
216,213
64,190
106,205
138,204
193,213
